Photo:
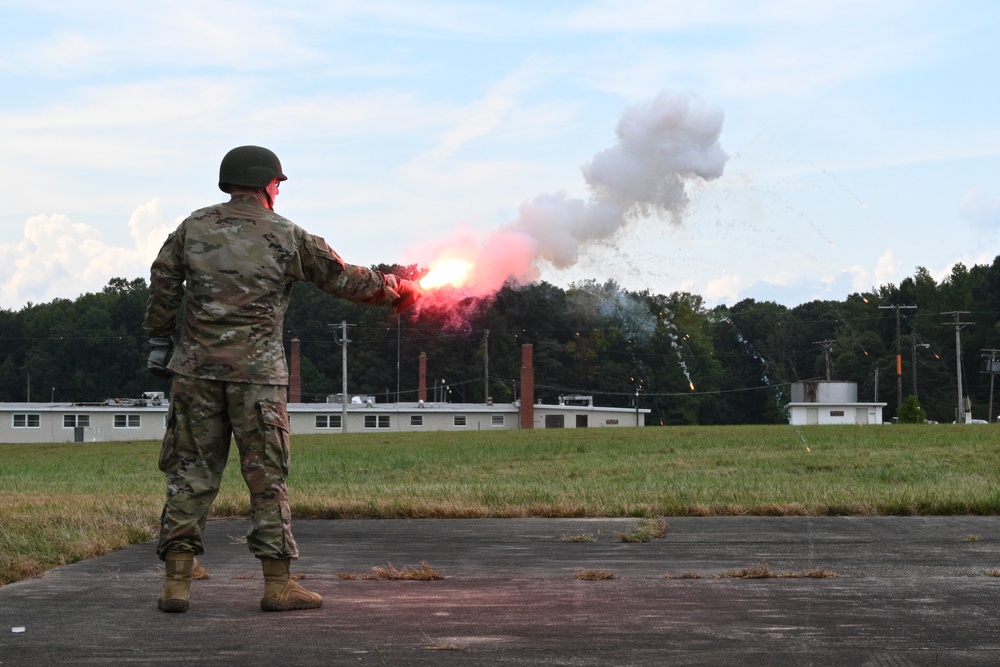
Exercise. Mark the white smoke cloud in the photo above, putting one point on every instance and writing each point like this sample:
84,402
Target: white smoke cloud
57,258
662,146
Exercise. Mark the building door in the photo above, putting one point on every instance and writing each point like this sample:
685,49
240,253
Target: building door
581,421
555,421
812,416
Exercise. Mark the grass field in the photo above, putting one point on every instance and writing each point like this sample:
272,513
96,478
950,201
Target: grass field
64,502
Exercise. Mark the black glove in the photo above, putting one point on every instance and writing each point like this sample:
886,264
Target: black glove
159,355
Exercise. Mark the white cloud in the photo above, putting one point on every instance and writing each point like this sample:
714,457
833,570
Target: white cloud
724,289
781,278
887,270
981,209
56,257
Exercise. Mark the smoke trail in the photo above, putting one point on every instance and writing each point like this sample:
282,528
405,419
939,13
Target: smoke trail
661,146
765,377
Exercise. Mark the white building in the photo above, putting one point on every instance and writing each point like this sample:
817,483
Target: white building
145,419
830,402
114,419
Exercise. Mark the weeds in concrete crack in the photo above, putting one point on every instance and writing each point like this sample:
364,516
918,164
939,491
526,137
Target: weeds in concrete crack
586,537
647,530
389,572
440,645
592,575
762,571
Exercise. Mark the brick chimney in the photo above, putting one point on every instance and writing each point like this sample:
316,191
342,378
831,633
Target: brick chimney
422,387
294,376
527,387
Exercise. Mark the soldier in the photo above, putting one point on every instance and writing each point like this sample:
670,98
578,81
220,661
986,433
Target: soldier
231,268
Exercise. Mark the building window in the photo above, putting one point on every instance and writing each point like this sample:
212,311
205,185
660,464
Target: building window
460,420
376,421
328,421
27,421
72,421
496,421
128,421
416,420
836,413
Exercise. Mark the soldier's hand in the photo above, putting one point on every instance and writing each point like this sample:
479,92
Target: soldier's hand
409,291
159,355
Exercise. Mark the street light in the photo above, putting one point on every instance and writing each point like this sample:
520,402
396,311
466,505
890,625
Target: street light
913,339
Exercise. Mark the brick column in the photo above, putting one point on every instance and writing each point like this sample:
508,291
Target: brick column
422,387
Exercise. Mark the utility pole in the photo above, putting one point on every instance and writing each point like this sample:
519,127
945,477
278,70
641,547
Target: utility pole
342,340
992,367
899,358
958,324
399,335
827,345
637,406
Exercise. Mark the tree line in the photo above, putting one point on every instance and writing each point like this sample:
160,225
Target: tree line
687,363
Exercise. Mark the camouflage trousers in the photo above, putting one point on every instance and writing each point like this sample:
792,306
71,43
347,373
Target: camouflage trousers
203,417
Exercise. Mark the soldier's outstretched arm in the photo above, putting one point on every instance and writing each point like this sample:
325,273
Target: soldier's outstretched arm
324,268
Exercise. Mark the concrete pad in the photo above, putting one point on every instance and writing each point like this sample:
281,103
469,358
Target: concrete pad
909,591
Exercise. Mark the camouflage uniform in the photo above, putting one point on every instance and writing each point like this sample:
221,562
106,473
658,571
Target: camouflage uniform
232,266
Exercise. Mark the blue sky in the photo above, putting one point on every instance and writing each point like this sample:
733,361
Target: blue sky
862,139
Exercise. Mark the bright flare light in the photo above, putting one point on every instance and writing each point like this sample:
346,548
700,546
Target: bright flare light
453,272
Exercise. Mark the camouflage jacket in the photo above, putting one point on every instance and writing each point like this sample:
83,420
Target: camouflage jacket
232,267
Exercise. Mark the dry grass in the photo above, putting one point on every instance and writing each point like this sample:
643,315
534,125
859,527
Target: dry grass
993,573
762,571
646,531
389,572
443,646
593,575
586,537
440,645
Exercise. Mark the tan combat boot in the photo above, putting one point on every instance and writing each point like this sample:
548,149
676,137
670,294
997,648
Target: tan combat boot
280,592
177,584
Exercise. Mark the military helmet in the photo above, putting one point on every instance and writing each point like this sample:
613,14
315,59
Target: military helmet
249,167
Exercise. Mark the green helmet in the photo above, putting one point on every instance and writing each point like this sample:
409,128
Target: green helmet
249,167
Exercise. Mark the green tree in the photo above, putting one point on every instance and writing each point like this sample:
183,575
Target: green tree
911,412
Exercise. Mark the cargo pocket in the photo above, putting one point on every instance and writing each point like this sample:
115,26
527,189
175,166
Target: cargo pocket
168,450
274,418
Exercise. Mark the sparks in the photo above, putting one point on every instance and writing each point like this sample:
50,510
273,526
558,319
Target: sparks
453,272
